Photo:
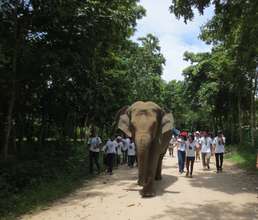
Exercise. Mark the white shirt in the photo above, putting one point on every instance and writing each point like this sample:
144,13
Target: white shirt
219,146
181,144
119,148
126,144
131,150
190,149
110,147
94,143
206,144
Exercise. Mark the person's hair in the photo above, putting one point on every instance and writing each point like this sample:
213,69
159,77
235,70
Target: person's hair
191,136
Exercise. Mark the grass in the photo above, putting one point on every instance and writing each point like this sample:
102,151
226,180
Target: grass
244,157
32,185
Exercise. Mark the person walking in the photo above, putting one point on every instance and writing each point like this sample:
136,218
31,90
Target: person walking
119,150
206,149
131,154
197,139
172,144
110,149
181,153
219,145
191,147
126,144
94,144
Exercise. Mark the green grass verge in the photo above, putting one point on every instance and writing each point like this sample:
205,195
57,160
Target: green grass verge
40,196
244,157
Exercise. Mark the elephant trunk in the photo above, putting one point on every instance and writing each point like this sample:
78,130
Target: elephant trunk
143,143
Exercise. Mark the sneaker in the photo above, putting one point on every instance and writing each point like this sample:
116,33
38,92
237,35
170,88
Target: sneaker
187,174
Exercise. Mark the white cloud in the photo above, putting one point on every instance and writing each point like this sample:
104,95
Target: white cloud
175,36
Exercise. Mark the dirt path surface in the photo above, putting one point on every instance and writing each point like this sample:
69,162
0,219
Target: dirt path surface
231,195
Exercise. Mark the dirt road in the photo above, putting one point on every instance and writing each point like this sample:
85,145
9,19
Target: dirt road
231,195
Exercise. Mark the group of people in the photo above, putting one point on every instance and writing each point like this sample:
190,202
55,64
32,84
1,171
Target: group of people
116,151
189,147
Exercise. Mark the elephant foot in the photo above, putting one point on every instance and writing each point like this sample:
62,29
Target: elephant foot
147,194
148,191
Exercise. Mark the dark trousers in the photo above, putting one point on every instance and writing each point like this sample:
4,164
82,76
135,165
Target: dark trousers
131,160
219,160
190,162
94,158
171,152
124,156
118,159
110,162
181,160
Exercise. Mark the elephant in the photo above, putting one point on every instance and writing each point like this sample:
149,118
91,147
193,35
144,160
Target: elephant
150,128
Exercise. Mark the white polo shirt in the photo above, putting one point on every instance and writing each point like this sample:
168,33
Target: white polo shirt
131,150
94,143
190,149
181,144
206,144
126,144
110,147
219,146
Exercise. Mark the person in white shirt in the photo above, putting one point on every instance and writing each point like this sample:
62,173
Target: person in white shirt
191,147
126,144
94,144
119,149
219,145
110,149
181,153
197,139
131,154
206,149
172,144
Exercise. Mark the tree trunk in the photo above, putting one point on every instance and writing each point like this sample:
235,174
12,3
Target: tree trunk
253,109
239,118
8,122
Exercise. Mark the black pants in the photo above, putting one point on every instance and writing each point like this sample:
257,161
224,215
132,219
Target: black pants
124,156
219,160
110,162
131,160
190,162
94,158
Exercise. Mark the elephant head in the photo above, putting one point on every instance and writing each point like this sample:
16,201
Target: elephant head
148,125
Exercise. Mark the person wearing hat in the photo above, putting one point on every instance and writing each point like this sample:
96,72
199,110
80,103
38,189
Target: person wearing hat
219,145
206,149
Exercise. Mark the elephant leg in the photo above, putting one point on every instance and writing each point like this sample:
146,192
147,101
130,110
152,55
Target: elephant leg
159,168
140,170
148,187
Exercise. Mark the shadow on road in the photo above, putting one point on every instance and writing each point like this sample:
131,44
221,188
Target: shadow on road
212,210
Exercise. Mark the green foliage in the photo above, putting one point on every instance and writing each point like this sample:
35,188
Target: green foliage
243,156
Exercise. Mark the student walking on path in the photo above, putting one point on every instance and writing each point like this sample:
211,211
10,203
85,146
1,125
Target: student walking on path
206,149
126,144
191,147
94,144
110,150
219,145
181,153
131,154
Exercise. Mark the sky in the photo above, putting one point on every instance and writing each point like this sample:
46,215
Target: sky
174,35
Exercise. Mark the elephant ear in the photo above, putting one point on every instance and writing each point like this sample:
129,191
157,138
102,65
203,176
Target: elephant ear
167,123
124,124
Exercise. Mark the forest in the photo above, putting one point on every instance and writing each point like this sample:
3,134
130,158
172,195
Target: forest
69,65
